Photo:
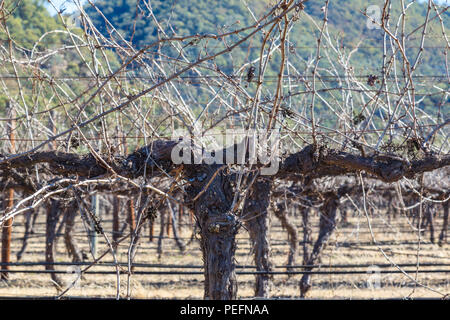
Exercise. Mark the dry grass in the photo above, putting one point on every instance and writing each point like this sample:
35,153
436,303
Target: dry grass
191,286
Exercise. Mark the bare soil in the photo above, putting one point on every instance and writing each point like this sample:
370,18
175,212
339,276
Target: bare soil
351,244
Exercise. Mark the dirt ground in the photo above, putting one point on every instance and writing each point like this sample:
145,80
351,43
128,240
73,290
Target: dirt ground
351,244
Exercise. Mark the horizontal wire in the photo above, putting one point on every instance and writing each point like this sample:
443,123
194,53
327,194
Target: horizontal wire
212,134
341,244
130,77
238,272
174,266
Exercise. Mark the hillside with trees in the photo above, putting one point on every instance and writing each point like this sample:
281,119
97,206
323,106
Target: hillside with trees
144,22
224,149
347,24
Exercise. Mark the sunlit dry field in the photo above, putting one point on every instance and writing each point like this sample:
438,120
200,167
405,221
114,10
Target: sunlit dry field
350,245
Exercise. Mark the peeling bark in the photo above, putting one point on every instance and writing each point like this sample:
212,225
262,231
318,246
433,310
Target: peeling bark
218,229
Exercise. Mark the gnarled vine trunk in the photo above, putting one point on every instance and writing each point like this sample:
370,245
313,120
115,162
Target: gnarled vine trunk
307,233
281,214
211,189
71,245
257,221
327,225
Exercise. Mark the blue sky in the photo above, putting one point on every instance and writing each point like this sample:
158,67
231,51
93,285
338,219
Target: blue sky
68,4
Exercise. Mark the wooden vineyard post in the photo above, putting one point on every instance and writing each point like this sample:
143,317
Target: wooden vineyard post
6,236
8,201
132,215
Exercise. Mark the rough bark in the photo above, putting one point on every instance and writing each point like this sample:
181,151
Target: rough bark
307,234
257,222
326,227
217,225
319,162
211,189
87,165
312,161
